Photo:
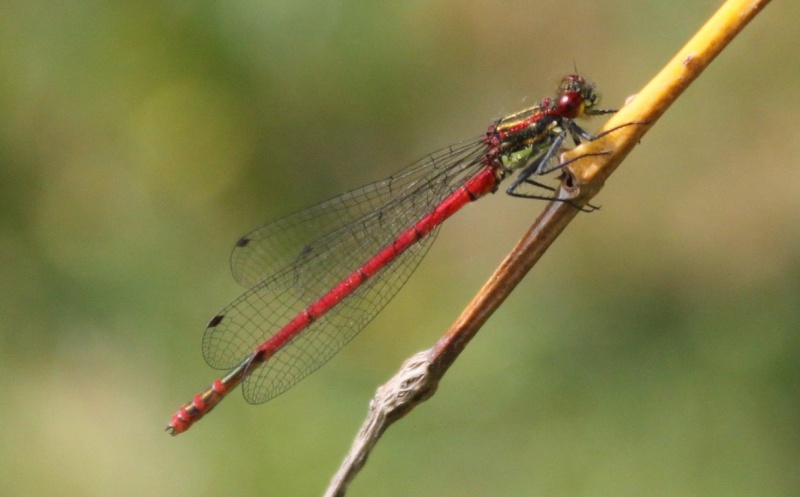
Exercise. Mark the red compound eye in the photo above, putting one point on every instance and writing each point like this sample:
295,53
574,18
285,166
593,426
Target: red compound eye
570,105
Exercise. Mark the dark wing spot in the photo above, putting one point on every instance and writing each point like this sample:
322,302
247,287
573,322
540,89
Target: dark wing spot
215,320
243,242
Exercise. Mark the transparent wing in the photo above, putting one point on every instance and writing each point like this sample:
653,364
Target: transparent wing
273,246
363,222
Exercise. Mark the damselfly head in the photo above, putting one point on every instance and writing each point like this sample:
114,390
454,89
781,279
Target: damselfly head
576,97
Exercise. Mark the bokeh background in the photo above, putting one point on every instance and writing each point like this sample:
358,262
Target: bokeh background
653,351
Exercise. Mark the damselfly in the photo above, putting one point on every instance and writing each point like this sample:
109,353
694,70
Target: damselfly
317,277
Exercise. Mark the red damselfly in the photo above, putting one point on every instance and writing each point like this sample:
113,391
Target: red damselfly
318,276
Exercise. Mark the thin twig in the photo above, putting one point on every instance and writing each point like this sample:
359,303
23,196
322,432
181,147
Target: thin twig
419,376
657,96
589,166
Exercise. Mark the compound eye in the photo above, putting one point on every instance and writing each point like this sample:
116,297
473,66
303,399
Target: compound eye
570,105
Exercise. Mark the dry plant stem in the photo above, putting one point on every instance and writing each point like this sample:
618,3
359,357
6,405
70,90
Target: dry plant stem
656,97
594,162
384,409
550,223
419,376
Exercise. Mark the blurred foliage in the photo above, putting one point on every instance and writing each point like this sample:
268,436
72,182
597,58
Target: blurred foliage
654,351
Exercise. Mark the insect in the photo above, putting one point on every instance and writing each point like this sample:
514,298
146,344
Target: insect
318,276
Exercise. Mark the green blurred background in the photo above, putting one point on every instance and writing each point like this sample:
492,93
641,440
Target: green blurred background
653,351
